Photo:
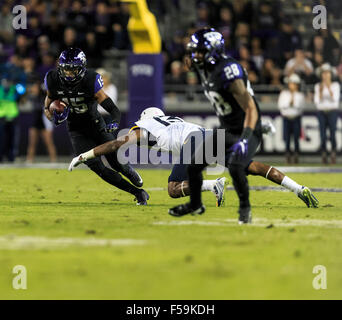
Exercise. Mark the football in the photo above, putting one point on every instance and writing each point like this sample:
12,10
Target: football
57,105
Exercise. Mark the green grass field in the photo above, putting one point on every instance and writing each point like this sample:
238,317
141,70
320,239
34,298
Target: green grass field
52,222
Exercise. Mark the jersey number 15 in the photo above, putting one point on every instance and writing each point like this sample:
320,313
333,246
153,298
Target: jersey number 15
76,104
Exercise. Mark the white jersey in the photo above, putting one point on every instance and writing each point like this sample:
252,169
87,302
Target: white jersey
170,132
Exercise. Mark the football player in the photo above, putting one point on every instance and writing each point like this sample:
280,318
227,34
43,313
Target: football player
166,133
171,133
226,85
81,90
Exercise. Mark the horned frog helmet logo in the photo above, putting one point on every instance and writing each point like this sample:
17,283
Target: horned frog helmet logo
82,57
213,37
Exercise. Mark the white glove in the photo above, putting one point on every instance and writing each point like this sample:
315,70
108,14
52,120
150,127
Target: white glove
268,128
76,162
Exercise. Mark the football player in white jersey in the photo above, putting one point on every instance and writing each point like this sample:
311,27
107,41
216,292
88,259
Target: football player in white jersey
171,134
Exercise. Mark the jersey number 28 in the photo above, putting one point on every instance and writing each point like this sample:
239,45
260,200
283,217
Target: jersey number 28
221,107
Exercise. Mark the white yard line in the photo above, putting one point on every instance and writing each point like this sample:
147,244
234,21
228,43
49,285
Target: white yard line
257,222
11,242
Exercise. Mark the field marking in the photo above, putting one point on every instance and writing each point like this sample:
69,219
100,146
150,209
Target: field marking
11,242
265,188
257,222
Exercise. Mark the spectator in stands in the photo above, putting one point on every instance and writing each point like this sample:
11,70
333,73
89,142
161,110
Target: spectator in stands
300,65
243,10
192,82
70,38
252,74
289,39
119,27
248,64
92,51
266,19
331,47
315,47
257,53
326,46
203,15
12,70
327,101
276,77
245,57
54,29
175,48
76,18
29,66
267,69
111,91
226,23
291,104
339,69
33,29
43,47
6,28
103,25
242,35
40,126
177,76
10,93
23,48
48,63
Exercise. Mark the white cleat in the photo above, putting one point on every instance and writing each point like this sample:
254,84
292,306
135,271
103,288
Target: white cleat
219,191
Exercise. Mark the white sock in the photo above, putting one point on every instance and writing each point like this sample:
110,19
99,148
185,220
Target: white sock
208,185
291,185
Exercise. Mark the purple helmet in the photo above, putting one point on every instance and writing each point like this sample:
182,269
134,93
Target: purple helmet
72,65
209,42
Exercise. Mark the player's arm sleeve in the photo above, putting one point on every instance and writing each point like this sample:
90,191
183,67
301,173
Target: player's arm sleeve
48,86
106,102
112,109
231,72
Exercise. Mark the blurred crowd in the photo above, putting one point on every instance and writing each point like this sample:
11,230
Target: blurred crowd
264,40
27,54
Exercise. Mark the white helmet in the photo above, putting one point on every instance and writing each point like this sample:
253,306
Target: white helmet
151,112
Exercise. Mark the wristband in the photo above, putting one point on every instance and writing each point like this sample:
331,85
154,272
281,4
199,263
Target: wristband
246,133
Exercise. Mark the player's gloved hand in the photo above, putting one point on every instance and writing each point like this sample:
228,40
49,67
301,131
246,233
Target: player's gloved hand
268,127
58,118
112,127
239,150
76,162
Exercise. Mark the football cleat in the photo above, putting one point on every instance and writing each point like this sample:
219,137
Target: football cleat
132,175
308,198
219,191
184,209
245,215
142,198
